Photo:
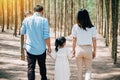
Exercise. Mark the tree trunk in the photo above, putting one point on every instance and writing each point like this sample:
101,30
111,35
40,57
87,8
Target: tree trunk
61,18
3,17
114,28
72,13
22,57
29,5
11,15
16,19
0,13
8,13
48,11
107,4
65,18
98,18
55,17
101,16
44,3
79,3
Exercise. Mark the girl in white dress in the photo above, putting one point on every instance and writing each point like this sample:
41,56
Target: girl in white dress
61,56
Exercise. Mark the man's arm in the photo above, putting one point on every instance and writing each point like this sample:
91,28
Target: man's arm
46,35
48,44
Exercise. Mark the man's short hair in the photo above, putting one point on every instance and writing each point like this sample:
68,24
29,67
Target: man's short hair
38,8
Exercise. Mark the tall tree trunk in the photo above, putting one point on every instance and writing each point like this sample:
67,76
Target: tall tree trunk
32,5
8,13
16,19
0,13
48,11
119,28
101,6
61,18
58,17
107,4
114,28
98,18
44,3
101,16
22,37
55,17
65,18
25,7
29,5
105,28
72,13
79,3
3,16
110,26
12,15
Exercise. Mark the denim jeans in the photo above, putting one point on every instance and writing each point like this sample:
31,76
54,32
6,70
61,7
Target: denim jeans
31,65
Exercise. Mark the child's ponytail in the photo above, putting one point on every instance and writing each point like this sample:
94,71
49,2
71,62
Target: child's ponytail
59,42
56,45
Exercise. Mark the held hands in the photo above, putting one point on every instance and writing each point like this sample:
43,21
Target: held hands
73,53
49,51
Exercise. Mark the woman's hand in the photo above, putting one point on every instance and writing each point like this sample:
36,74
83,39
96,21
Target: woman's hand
94,54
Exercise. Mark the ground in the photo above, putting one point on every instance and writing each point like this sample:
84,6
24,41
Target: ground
12,68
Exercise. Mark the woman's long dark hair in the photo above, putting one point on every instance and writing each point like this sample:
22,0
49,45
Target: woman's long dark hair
59,42
83,19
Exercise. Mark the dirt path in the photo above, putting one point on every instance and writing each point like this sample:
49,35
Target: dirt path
12,68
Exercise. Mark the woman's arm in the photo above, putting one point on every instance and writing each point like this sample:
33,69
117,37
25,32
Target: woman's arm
74,45
94,47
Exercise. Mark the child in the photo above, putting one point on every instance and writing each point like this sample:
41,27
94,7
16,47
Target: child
28,14
61,56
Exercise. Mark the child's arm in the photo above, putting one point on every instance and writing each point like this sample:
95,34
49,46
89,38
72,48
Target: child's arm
52,55
69,54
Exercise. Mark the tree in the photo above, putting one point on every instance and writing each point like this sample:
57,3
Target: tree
22,37
8,13
65,18
55,17
12,15
61,24
16,19
114,28
72,13
107,4
3,17
0,13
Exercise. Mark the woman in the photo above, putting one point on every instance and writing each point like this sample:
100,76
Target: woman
84,35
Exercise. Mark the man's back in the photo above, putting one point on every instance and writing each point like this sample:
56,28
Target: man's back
36,30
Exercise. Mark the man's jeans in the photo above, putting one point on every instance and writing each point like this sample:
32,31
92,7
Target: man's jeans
31,65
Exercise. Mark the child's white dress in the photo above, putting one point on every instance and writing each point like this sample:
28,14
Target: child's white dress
62,69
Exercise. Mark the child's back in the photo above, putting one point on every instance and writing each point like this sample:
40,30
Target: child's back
61,56
62,69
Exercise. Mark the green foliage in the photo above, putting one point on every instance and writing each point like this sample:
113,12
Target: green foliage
91,7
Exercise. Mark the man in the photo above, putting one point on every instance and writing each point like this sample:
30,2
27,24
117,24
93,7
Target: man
36,29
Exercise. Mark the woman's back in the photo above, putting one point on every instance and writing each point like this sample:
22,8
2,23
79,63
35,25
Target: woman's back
84,37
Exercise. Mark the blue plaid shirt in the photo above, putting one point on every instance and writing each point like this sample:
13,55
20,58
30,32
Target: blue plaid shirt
36,29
